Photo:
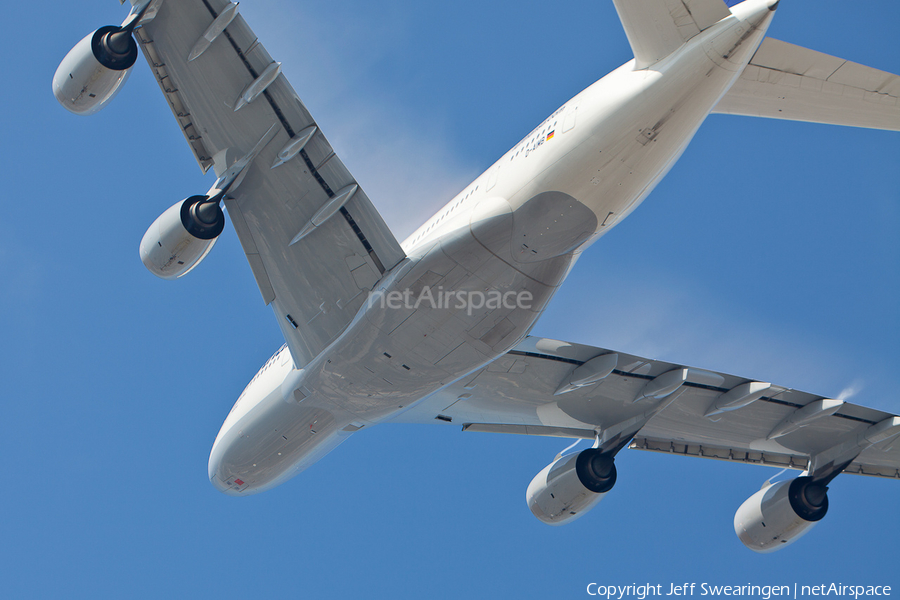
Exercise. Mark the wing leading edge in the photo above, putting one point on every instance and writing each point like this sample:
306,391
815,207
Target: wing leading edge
747,422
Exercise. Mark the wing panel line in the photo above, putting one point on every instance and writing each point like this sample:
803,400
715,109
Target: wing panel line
685,384
278,112
290,131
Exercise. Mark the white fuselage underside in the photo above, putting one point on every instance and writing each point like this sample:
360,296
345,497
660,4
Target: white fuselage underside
515,232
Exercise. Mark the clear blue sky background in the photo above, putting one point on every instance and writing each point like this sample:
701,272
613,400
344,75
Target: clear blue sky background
770,251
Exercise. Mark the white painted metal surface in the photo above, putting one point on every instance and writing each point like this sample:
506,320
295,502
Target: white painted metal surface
329,267
168,250
784,81
766,522
83,85
213,31
489,238
556,496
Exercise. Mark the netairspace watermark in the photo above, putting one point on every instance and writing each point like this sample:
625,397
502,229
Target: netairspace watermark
439,298
765,592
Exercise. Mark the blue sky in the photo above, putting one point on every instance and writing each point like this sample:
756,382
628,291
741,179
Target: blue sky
770,251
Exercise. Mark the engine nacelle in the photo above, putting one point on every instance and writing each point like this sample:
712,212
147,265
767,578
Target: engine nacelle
780,514
570,486
182,237
93,72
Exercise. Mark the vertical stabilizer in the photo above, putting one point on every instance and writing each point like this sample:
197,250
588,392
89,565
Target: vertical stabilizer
656,28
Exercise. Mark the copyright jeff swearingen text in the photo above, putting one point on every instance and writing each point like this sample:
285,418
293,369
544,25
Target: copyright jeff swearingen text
766,592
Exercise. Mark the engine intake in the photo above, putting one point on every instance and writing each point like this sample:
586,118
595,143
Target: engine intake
780,514
570,486
182,237
93,72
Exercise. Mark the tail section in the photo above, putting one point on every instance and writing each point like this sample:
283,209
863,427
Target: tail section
784,81
656,28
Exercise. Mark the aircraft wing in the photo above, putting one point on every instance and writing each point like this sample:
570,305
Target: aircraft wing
777,426
656,28
314,241
784,81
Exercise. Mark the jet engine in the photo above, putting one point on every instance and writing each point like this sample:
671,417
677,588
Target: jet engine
93,72
570,486
182,237
780,514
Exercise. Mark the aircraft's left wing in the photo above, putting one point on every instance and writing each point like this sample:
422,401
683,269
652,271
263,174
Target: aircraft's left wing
653,405
314,241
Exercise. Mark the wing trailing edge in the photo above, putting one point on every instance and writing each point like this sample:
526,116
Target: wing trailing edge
516,395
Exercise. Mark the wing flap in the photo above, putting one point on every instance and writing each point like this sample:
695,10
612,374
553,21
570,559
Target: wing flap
536,430
318,156
257,266
316,285
797,462
176,103
516,394
784,81
668,446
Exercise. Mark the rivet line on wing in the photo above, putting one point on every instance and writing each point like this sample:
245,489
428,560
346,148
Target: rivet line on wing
278,112
686,383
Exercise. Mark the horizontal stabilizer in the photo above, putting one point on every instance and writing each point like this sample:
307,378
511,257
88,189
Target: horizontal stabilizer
784,81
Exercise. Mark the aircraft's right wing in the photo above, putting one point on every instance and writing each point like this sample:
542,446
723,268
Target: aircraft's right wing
656,28
654,405
784,81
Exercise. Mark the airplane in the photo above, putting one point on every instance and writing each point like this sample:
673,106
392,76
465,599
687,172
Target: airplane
436,329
